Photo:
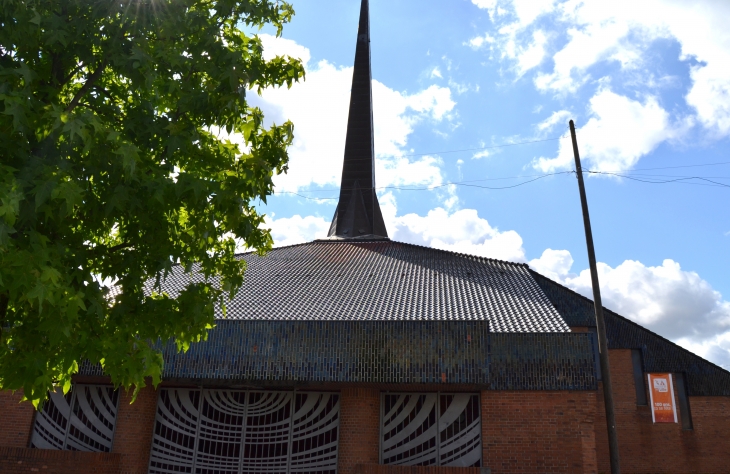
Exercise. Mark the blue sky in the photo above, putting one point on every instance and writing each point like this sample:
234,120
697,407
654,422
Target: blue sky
648,85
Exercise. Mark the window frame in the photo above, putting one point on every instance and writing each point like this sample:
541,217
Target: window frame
685,412
42,414
637,362
438,394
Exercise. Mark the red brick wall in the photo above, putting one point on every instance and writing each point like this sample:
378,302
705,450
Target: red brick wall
380,469
25,460
133,434
528,432
16,420
359,428
645,447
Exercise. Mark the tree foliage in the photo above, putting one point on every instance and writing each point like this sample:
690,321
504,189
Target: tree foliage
116,165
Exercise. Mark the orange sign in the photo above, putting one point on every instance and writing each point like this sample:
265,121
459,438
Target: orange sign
661,393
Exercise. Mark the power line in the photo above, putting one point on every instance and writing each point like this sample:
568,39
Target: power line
621,174
470,183
670,167
679,180
431,188
650,175
435,186
460,150
479,149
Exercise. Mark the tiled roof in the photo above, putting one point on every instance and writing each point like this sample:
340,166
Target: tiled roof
386,280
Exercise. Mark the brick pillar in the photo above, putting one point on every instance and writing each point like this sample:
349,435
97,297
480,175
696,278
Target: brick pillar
16,420
133,434
359,428
588,444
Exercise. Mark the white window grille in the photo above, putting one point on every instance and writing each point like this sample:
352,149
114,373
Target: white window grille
229,431
82,420
430,429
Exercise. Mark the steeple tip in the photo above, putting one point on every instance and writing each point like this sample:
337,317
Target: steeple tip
358,212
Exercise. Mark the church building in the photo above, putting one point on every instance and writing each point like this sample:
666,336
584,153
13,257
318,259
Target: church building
359,354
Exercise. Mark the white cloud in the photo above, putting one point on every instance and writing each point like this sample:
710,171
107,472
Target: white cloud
621,31
585,48
619,132
525,11
677,304
528,11
527,50
460,231
480,41
554,264
532,55
274,46
319,108
296,229
710,96
461,88
699,27
434,102
485,4
436,72
559,117
402,172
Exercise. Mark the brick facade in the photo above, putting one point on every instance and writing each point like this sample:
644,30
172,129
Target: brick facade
380,469
47,461
522,431
646,447
16,420
133,434
359,441
527,432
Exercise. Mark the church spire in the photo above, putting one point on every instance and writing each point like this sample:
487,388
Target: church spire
358,211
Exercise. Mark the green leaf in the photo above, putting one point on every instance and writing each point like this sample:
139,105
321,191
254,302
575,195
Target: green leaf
36,20
114,176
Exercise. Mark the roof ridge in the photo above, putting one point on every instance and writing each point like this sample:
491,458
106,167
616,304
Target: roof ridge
379,241
488,259
275,248
629,321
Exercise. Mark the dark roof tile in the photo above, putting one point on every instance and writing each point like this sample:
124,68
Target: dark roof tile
386,280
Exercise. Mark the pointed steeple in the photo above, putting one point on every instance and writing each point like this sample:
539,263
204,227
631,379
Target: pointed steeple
358,211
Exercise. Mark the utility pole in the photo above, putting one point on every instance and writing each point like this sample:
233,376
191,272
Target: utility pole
600,323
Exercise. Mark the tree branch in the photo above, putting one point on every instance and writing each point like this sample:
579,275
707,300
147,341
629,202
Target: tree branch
105,92
4,300
87,85
112,249
70,75
99,112
119,247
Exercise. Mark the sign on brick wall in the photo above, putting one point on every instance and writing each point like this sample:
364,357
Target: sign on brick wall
661,392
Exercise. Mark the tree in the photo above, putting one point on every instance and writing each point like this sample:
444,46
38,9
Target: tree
116,165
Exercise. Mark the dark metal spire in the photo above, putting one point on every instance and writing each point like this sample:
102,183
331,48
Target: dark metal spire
358,211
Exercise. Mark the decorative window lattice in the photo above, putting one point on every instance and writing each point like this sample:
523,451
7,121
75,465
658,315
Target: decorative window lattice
228,431
81,420
431,429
